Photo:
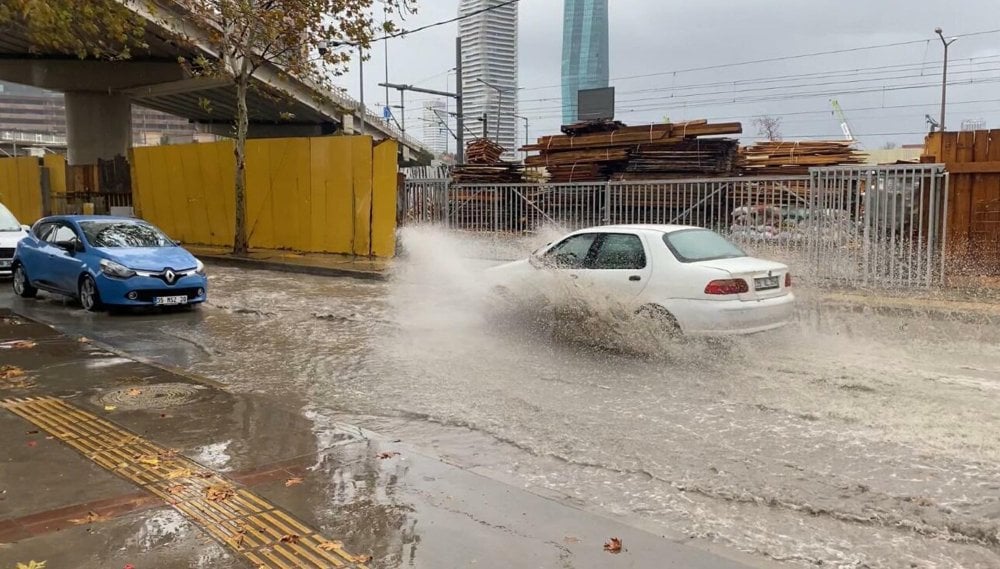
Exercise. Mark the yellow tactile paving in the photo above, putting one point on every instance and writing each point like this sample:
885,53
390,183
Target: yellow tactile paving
264,534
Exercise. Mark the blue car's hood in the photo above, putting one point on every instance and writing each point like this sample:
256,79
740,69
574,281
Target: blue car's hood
150,258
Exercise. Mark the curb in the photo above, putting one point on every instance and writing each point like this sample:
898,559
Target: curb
933,312
277,266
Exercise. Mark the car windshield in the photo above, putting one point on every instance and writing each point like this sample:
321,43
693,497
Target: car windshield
7,220
124,234
692,245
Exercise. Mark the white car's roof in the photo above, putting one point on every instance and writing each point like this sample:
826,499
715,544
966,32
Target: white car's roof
642,227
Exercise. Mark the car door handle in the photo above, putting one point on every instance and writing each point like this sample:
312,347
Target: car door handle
635,278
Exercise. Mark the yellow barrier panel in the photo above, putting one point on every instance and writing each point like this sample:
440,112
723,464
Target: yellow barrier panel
326,195
21,187
56,163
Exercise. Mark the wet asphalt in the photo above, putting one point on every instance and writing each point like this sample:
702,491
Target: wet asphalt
846,440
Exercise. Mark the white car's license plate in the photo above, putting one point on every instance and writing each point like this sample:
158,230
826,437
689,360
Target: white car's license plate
170,300
4,264
765,283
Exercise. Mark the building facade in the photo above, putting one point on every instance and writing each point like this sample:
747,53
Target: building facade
435,119
585,63
489,69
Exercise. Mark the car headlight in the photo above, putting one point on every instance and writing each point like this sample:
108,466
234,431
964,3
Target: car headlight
200,267
117,270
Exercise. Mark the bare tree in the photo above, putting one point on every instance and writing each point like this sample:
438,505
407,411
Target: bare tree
768,127
889,145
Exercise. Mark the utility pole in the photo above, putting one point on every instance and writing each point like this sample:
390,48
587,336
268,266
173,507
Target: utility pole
486,126
460,106
361,71
944,75
402,109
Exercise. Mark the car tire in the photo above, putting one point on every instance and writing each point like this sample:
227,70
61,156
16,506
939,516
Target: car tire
663,319
88,294
21,283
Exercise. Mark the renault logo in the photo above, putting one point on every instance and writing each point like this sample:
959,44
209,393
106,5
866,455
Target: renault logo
169,275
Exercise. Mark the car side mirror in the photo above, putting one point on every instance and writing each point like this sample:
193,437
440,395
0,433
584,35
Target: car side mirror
71,246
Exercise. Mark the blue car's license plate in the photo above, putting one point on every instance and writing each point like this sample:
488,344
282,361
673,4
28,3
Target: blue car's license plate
170,300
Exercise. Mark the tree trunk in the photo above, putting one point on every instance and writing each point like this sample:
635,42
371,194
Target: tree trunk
240,241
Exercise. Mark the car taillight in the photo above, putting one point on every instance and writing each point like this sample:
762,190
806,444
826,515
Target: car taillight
788,280
727,286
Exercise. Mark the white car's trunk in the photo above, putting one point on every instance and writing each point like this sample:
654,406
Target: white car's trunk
765,278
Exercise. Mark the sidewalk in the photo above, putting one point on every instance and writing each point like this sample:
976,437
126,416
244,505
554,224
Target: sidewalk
322,264
110,462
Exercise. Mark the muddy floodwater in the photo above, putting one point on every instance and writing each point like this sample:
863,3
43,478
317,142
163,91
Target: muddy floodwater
845,440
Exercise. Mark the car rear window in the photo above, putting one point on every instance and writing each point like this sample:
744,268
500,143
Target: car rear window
693,245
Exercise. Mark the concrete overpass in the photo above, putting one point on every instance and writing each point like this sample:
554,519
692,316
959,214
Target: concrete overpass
99,93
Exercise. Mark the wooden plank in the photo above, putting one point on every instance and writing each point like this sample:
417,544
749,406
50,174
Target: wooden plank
993,155
986,167
963,152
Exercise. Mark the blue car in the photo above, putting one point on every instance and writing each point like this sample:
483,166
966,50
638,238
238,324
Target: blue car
107,262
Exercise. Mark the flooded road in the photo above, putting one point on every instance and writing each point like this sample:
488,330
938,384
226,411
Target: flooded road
846,440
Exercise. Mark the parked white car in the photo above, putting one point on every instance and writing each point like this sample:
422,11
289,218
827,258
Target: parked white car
11,232
692,280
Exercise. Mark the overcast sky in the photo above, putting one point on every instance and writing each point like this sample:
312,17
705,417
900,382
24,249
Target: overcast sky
885,92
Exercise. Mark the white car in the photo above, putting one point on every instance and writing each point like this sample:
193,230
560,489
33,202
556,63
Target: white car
690,279
11,232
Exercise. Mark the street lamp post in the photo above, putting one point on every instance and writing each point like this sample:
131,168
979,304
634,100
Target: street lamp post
944,75
499,103
324,45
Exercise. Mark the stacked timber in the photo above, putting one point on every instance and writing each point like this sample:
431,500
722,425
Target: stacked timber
658,150
483,165
483,151
683,158
499,173
775,158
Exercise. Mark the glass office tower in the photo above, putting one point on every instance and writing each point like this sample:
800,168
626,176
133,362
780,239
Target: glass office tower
585,51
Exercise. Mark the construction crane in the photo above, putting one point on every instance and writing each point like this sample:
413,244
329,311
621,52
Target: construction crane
844,125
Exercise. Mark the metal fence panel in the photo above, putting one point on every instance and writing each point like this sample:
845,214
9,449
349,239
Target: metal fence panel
865,225
879,225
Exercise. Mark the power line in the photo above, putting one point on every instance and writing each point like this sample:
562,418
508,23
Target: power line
446,22
774,59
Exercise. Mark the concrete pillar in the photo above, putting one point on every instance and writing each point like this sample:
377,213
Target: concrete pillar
98,126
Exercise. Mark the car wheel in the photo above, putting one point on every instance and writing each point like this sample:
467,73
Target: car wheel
22,286
662,318
90,298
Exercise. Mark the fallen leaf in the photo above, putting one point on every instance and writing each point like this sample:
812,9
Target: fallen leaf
32,443
330,545
177,489
364,558
10,372
129,566
31,565
149,460
290,538
91,518
33,432
167,454
219,492
571,539
49,438
613,545
293,481
134,392
83,340
110,407
163,415
179,473
18,345
204,474
385,455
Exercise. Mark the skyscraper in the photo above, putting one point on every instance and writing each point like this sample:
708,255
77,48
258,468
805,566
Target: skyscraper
435,126
489,69
585,51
